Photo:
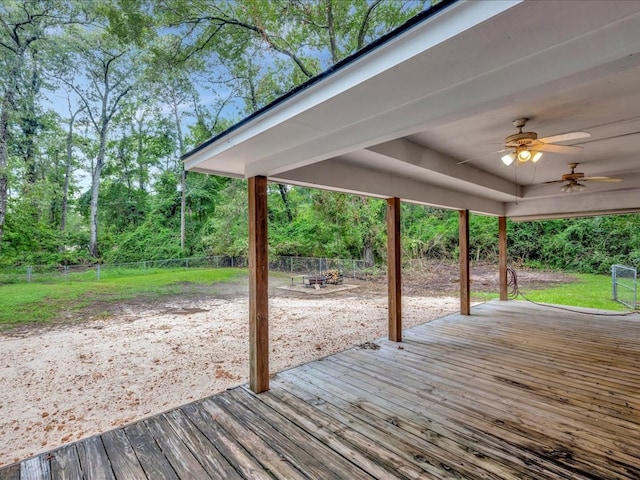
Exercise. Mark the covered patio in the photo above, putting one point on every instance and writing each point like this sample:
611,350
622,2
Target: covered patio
513,391
503,390
517,110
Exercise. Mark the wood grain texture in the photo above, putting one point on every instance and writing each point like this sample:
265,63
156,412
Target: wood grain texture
11,472
124,461
211,459
258,286
502,257
184,463
272,461
394,269
36,468
65,464
333,464
93,459
149,454
242,460
465,273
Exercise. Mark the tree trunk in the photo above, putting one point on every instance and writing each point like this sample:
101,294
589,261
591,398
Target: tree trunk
30,129
183,207
285,200
95,189
140,156
183,177
4,133
67,176
369,257
365,23
332,33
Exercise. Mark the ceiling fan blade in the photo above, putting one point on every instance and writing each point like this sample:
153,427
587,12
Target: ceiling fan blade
554,181
482,156
563,137
602,179
613,137
546,147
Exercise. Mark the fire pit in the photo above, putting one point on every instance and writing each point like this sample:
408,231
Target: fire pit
313,280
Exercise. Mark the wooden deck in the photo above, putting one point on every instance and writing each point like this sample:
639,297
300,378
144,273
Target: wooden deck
513,391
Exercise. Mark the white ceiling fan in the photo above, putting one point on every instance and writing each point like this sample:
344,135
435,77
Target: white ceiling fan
573,181
526,146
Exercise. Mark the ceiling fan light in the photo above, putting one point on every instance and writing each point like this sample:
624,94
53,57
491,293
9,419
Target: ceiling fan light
565,188
508,159
536,156
524,155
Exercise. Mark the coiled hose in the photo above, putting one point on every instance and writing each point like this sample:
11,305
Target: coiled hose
514,292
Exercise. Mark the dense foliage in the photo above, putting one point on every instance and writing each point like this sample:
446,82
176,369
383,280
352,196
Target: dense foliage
98,100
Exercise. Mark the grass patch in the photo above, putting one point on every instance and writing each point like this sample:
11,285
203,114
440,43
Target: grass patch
589,291
43,302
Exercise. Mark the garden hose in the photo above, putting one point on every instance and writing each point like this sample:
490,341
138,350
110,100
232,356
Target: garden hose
514,292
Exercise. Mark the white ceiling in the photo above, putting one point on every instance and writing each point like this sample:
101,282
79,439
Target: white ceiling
399,120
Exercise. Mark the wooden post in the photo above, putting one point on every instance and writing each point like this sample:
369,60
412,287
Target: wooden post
465,283
394,269
502,257
258,286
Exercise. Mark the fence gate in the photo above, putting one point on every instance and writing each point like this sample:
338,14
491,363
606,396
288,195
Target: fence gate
625,285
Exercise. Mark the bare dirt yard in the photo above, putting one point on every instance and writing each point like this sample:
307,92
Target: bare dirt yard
74,379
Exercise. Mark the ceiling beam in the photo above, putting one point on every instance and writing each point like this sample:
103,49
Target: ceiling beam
575,205
440,167
339,176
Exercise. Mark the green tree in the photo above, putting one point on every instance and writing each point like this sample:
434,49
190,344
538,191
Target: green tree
107,75
26,27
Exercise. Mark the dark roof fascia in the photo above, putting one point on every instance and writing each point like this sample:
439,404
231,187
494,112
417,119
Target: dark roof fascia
416,19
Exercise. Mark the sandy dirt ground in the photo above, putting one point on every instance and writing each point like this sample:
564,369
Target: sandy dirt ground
65,382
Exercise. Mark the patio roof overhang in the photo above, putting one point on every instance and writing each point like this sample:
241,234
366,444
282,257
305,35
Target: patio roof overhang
397,119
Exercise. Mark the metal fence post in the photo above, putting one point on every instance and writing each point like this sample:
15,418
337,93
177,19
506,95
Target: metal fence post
98,272
614,291
28,274
635,288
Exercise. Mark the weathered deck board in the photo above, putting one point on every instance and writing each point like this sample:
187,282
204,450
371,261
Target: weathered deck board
65,464
93,459
35,468
10,473
123,459
148,453
331,433
211,459
272,461
512,391
333,464
236,455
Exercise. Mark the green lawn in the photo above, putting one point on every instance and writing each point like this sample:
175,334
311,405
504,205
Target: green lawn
591,291
43,302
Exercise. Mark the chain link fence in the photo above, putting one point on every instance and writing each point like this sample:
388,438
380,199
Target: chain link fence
625,285
292,265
